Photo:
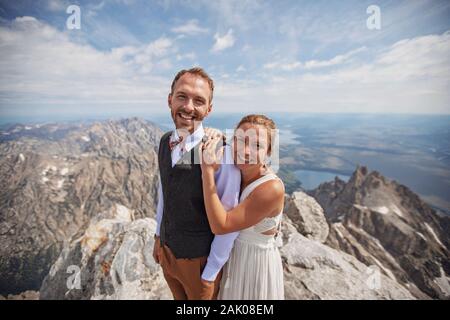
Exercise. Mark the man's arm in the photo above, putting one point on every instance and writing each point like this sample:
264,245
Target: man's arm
228,182
159,208
159,213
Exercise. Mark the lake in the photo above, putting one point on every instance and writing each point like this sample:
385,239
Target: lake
312,179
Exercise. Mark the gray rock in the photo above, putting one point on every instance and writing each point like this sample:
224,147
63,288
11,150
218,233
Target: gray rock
111,260
307,216
316,271
26,295
383,223
54,178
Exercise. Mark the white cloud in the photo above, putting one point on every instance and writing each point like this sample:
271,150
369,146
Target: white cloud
411,76
186,56
283,66
191,28
223,42
313,64
57,5
239,14
340,59
41,65
246,48
94,8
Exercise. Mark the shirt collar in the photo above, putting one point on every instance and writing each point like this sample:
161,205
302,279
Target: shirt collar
193,139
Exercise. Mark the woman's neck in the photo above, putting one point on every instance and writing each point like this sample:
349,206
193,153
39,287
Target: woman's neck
253,174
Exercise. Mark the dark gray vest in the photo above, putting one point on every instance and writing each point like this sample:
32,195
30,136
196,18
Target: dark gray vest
184,226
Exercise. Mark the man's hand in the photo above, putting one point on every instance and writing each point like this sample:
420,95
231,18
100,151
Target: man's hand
207,282
207,289
156,248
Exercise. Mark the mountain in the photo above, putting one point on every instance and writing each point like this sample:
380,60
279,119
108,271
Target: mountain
113,259
56,177
383,223
77,211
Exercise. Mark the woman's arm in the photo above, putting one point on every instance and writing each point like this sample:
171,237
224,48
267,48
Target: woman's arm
263,202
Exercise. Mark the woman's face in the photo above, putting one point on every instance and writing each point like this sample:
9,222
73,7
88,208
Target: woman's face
250,146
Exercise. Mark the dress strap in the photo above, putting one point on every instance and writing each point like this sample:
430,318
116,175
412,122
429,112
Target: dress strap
248,189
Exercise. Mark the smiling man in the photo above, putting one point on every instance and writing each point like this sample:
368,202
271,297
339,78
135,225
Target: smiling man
190,255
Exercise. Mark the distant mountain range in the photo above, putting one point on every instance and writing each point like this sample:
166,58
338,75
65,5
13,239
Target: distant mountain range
55,177
72,194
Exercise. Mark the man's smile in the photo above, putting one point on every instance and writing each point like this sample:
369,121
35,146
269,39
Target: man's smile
185,116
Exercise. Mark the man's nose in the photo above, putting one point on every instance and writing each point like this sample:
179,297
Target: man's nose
189,106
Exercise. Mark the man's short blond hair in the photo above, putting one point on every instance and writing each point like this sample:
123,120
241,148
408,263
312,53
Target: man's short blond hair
197,72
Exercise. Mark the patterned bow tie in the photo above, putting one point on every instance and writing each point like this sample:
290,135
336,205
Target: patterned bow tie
173,144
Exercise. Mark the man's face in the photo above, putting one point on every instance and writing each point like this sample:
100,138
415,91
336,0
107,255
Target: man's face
190,102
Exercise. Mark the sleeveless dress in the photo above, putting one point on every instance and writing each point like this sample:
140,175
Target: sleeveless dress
254,270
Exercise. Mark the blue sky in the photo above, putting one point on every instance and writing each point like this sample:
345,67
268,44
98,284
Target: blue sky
265,56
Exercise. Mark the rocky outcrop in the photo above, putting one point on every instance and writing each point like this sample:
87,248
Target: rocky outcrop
27,295
383,223
56,177
316,271
112,259
307,216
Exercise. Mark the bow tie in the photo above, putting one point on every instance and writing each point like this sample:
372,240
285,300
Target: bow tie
173,144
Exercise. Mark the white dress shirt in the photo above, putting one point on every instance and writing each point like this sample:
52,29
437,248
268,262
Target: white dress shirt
228,184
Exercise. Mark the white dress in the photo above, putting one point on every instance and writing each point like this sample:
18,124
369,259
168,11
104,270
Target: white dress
254,270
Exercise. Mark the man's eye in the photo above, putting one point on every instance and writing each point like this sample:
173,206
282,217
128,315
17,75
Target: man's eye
181,97
198,101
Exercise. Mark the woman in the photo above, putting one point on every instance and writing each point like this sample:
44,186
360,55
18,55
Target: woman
254,270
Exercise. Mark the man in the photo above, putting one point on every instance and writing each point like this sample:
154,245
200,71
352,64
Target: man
190,255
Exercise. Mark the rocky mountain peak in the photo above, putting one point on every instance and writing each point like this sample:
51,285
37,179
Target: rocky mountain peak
383,223
56,177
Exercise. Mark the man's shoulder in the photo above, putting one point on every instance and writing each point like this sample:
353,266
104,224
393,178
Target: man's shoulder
165,136
227,158
228,168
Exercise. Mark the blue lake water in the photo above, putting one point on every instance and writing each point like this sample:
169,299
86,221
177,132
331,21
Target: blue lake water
312,179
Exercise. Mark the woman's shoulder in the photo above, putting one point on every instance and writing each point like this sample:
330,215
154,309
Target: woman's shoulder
271,189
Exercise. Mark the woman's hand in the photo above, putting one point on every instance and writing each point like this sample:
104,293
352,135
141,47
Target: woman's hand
211,150
211,132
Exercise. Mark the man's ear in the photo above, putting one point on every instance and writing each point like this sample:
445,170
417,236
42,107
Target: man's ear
210,108
169,100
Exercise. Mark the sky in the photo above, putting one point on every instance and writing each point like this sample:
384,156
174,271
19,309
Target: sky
264,56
